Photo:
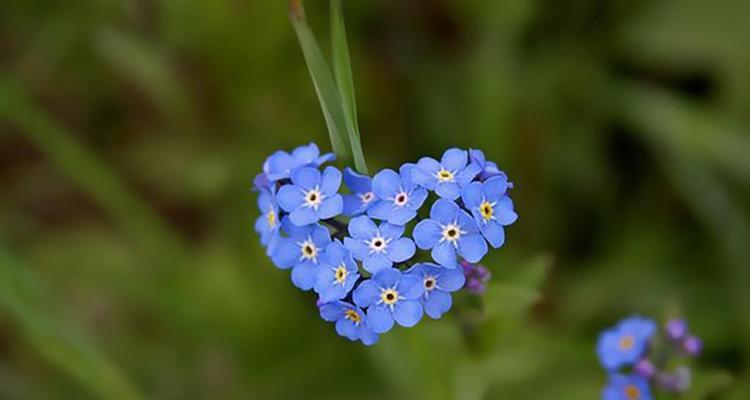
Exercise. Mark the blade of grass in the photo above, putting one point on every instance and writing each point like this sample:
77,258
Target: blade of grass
328,96
22,296
342,72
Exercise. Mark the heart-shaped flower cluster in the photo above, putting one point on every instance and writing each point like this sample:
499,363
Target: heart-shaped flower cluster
354,249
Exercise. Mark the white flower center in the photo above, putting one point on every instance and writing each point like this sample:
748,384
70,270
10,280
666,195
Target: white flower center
429,283
452,232
308,250
313,198
401,199
367,197
378,244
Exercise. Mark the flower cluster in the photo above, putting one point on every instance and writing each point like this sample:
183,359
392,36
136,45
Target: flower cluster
636,358
359,251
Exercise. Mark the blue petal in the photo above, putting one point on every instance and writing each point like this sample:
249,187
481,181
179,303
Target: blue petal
386,184
358,248
285,253
467,222
303,216
444,254
306,154
468,174
448,190
450,280
406,172
330,181
472,195
366,294
494,233
495,188
410,287
347,329
325,158
304,274
331,207
428,165
444,211
391,231
279,165
265,202
334,254
472,247
375,262
401,215
381,209
422,177
367,337
387,278
427,234
332,311
296,232
356,182
407,312
417,198
353,205
436,303
306,177
320,236
505,213
401,250
290,197
477,156
379,319
454,159
362,228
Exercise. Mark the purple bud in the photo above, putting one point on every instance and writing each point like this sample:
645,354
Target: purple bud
692,346
644,368
476,277
677,382
676,329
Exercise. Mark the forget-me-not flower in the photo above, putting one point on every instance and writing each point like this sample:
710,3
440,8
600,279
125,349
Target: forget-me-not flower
488,169
311,196
491,208
361,197
448,176
281,164
448,232
438,283
390,295
337,273
626,343
269,222
350,321
378,247
622,387
399,198
301,251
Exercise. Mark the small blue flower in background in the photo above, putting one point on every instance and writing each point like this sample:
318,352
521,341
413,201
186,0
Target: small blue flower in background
488,169
448,176
399,198
301,251
269,222
438,283
361,197
625,343
449,231
350,321
622,387
337,273
491,208
378,247
281,164
390,295
311,196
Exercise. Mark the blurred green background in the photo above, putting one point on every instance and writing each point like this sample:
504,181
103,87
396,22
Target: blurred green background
130,132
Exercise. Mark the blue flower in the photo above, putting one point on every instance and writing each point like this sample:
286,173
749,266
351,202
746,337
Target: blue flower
488,169
281,164
626,343
621,387
337,274
269,222
350,321
448,176
491,208
399,198
438,283
301,251
378,247
361,197
450,230
312,196
390,295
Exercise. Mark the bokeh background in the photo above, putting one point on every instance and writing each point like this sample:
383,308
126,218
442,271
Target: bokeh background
130,132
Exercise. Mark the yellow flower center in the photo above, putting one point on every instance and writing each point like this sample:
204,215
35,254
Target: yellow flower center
626,343
353,316
632,392
341,274
486,210
309,251
271,217
389,296
445,176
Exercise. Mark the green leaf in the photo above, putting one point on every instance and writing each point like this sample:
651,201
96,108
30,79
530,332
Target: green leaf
328,96
342,72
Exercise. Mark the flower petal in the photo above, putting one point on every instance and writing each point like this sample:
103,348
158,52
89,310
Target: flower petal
410,287
353,205
356,182
401,215
472,247
417,198
387,278
362,228
445,255
332,311
358,248
407,312
304,274
454,159
303,216
330,181
427,234
448,190
379,319
366,294
381,209
285,253
331,207
375,262
391,231
290,197
505,213
450,280
437,303
306,177
444,211
472,195
347,329
494,233
468,174
496,187
307,153
401,250
386,183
